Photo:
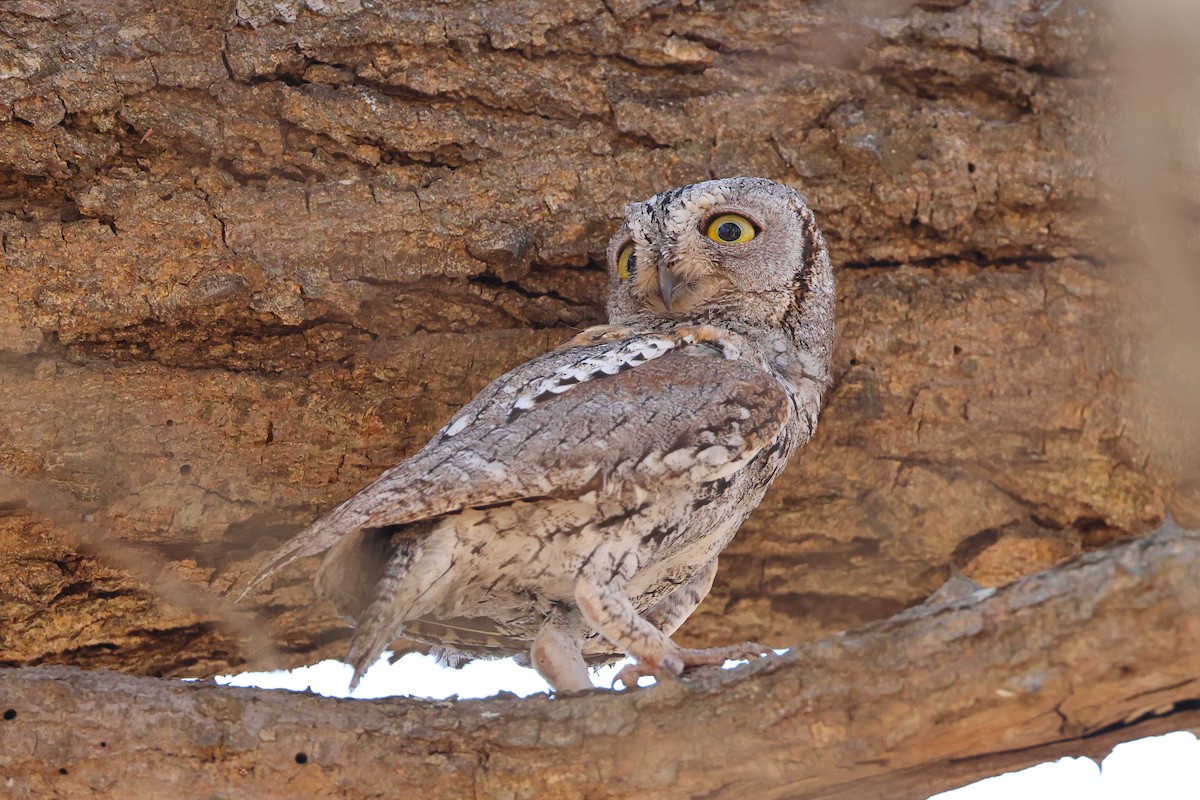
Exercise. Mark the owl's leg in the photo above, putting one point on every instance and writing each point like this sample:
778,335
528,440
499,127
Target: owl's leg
557,652
671,611
607,608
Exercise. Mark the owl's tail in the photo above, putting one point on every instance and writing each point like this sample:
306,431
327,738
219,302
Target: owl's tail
413,582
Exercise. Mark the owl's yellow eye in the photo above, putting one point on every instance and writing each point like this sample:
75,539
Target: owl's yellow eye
626,261
731,229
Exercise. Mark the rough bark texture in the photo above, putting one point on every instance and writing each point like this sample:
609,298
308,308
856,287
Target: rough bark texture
257,252
898,710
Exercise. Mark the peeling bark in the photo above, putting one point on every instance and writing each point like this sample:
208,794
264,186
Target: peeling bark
936,697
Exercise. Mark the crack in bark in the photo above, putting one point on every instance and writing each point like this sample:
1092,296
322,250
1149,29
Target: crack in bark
189,343
975,259
493,282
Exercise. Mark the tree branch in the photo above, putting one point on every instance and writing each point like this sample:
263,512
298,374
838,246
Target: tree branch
1071,661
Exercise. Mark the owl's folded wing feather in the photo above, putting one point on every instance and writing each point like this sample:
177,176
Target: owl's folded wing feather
640,412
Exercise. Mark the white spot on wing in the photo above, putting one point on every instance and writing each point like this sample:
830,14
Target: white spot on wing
713,456
706,472
679,460
496,470
610,361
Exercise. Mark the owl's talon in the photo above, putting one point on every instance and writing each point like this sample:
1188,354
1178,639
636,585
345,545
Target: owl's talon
670,665
630,674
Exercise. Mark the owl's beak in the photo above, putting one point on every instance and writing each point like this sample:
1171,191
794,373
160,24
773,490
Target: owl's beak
668,283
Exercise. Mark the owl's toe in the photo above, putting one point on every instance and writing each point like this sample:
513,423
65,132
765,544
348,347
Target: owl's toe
676,663
716,656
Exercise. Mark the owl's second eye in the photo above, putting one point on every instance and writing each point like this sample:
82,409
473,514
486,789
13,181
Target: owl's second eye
626,262
731,229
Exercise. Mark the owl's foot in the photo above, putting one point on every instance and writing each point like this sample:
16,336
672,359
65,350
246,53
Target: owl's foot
705,657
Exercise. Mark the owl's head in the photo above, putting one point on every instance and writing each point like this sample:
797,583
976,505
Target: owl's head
737,249
743,253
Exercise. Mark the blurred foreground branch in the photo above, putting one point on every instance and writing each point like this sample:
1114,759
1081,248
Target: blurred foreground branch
1070,661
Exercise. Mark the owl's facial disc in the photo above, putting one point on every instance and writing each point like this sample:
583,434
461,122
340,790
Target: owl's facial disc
680,271
689,269
723,248
668,280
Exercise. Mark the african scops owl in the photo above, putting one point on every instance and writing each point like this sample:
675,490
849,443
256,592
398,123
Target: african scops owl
575,509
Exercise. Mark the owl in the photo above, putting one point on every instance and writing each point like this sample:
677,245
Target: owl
575,509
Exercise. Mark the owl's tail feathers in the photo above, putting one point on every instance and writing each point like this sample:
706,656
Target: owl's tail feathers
414,582
366,648
294,548
316,538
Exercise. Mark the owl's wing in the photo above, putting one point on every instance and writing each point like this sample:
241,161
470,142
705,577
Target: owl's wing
633,414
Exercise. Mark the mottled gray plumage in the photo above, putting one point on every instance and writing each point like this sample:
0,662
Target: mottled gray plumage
575,509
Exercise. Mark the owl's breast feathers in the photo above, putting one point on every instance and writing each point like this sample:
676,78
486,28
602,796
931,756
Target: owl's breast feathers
611,413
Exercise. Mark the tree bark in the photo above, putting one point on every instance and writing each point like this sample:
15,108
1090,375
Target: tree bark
934,698
257,251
